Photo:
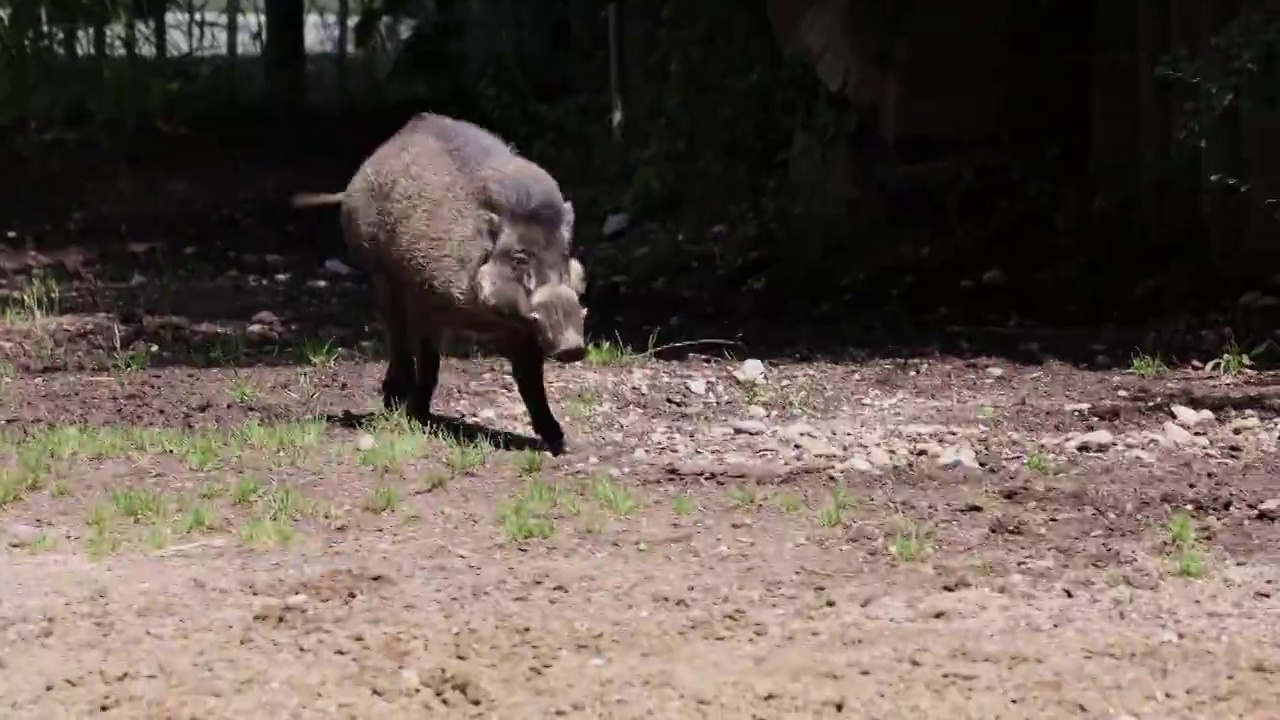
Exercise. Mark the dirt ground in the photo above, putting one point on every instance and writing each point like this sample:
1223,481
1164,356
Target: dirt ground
203,518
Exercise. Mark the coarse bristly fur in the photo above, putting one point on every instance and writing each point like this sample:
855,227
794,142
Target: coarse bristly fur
459,233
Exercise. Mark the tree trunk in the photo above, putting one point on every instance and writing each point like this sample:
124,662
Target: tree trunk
285,54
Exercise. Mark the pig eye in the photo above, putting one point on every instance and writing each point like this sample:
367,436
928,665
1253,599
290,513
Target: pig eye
519,260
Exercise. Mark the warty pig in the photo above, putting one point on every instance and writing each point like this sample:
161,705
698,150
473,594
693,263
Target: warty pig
458,232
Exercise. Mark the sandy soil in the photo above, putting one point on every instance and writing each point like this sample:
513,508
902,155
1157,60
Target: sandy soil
203,519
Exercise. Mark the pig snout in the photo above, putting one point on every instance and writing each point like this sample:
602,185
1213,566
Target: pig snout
570,348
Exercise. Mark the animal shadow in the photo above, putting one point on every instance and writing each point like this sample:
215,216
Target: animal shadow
454,427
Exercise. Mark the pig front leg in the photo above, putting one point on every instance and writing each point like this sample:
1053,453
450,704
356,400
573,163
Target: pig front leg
526,368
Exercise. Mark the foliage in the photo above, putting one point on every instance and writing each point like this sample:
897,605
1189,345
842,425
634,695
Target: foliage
1235,71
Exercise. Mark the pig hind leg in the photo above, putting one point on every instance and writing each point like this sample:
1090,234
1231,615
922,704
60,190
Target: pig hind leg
526,368
397,384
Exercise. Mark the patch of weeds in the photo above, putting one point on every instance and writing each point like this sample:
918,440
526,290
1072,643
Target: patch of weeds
742,497
1039,463
241,390
986,412
590,522
435,480
204,452
753,393
130,359
527,514
246,490
211,490
1146,366
612,496
1185,551
102,539
39,298
606,353
832,514
1231,362
16,484
198,518
529,463
383,499
138,505
59,489
318,354
43,543
284,503
911,542
228,349
397,439
282,443
682,505
789,503
263,533
8,370
582,404
156,537
464,456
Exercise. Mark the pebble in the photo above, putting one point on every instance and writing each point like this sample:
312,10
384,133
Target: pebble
879,457
337,267
1176,435
697,387
1096,441
365,442
296,602
757,412
20,535
751,370
955,457
265,317
1190,418
1269,509
857,463
1244,424
995,372
749,427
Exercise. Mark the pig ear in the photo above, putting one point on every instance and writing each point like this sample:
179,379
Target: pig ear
566,223
577,276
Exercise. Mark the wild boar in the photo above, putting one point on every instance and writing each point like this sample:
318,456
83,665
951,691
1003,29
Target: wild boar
459,233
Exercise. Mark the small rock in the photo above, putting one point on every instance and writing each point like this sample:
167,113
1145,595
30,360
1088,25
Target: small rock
615,223
1077,407
1096,441
879,457
19,535
365,442
1142,455
749,427
1190,418
994,277
958,456
296,602
816,447
317,283
697,387
265,317
751,371
1245,424
1176,435
596,662
337,267
857,463
1269,509
995,372
273,259
757,412
261,332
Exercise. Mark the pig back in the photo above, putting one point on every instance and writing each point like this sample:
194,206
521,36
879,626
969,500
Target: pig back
411,213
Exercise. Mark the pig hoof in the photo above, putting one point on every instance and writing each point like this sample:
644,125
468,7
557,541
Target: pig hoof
556,445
